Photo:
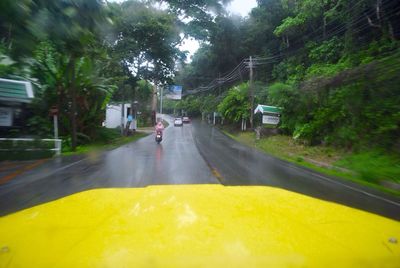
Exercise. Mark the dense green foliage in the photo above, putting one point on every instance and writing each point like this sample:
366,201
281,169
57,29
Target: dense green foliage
373,166
359,106
82,54
25,150
59,46
235,105
331,65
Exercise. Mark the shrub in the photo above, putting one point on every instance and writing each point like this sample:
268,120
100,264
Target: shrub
106,135
373,166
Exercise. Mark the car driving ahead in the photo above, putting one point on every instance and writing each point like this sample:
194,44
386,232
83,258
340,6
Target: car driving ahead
178,122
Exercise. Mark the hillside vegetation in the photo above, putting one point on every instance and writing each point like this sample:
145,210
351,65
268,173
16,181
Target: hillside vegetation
333,66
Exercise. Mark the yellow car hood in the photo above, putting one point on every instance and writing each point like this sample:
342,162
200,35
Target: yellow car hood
196,226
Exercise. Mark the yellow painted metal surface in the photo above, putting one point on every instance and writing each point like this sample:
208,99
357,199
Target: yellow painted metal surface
196,226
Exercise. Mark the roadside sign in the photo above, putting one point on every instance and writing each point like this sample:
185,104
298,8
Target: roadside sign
267,109
53,110
6,117
270,114
270,119
174,93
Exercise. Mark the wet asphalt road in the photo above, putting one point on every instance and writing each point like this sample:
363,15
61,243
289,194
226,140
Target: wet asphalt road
193,154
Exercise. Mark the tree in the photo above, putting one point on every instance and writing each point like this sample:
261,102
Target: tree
198,14
145,45
235,106
74,30
93,91
77,30
323,54
146,40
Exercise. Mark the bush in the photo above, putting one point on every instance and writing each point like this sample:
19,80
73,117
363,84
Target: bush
144,120
327,52
106,135
326,69
235,106
66,143
356,108
373,166
285,96
25,150
41,127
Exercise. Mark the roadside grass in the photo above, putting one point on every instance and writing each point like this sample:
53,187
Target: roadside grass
99,146
104,139
373,168
25,150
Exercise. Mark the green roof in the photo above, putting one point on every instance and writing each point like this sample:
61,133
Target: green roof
267,109
16,91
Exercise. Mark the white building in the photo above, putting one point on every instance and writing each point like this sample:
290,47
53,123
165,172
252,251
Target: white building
114,115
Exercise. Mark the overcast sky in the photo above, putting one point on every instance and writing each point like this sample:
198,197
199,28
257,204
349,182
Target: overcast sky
241,7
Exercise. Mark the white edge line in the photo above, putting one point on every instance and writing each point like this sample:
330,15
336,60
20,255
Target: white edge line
53,172
347,186
67,166
16,184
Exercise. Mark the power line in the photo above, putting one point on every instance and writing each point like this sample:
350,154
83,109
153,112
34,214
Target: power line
259,60
232,76
335,31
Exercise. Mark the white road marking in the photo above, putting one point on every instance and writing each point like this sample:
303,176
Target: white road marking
345,185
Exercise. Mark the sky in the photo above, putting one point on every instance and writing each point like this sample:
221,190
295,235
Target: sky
241,7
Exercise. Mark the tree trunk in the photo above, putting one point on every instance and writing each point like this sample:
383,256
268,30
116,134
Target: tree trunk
251,91
378,9
378,16
133,112
133,101
371,23
73,111
391,31
154,105
9,37
123,111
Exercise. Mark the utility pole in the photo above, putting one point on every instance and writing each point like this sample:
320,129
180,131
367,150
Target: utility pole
123,111
161,100
154,104
132,111
251,92
54,112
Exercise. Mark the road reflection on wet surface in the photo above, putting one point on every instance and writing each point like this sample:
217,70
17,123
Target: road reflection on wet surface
193,154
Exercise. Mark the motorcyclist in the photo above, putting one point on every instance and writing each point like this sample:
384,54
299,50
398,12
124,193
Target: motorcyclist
159,127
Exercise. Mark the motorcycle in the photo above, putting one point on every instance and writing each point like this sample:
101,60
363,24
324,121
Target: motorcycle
158,137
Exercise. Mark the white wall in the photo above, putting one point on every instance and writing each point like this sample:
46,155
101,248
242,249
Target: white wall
113,115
